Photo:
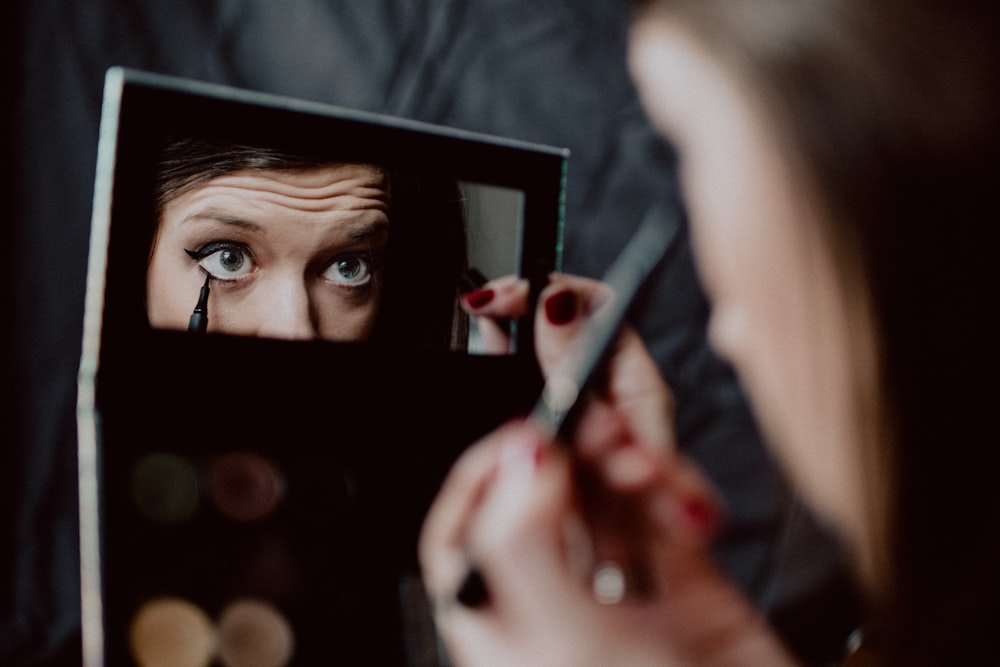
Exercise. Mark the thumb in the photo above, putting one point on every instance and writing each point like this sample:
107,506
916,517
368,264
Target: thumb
517,539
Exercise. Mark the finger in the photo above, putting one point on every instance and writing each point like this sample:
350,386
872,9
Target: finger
441,544
518,535
600,429
505,297
518,490
652,513
494,338
681,509
563,306
637,389
685,504
634,383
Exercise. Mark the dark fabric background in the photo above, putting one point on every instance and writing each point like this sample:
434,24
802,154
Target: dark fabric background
550,72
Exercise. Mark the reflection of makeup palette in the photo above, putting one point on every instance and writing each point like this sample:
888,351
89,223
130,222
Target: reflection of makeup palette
256,502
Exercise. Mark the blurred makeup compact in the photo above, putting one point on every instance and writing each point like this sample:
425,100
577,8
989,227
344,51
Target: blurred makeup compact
278,369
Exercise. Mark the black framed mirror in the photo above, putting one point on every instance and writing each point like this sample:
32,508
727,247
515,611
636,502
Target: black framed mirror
258,482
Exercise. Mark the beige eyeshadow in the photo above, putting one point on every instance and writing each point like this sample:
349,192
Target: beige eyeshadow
171,632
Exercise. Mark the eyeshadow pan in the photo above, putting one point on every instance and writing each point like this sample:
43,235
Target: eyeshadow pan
245,486
171,632
252,633
165,488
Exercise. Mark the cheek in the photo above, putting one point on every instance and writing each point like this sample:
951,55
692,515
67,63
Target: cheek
171,291
239,312
784,329
342,317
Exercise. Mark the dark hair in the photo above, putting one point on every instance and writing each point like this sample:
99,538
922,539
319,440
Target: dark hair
891,109
186,163
427,254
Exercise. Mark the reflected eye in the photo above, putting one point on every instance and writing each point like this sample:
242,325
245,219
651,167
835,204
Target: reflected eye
223,259
350,270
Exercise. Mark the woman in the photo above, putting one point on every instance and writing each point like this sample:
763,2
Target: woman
304,247
838,160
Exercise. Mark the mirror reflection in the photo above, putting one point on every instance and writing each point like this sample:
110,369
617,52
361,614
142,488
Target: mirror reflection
254,241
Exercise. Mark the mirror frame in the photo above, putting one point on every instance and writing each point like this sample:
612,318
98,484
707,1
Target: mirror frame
143,389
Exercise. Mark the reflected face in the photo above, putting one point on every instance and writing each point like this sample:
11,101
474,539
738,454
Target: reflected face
293,254
779,313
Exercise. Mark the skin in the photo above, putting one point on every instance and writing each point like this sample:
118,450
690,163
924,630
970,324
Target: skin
780,315
298,257
512,504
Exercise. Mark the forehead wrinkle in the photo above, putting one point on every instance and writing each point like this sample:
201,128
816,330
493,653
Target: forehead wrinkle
245,208
323,189
352,228
320,203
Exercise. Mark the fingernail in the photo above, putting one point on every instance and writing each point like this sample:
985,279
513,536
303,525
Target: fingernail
479,298
691,516
699,512
560,308
539,455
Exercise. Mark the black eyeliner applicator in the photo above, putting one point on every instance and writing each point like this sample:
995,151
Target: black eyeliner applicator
199,318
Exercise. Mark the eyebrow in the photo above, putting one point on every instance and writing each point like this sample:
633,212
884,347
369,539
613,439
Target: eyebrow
368,230
356,233
224,219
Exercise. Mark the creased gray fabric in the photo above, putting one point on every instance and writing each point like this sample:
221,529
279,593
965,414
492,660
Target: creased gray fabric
551,72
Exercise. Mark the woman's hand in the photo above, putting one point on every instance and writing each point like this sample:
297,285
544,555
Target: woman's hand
490,306
634,384
594,554
511,508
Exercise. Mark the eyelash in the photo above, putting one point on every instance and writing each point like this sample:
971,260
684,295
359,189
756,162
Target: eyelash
207,250
213,247
368,258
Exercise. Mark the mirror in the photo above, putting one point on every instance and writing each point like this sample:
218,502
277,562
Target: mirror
450,201
256,486
250,240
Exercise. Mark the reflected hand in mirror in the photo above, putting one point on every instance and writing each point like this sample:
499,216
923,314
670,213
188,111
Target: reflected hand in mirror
491,306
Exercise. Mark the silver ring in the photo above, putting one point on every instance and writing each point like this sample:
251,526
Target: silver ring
608,583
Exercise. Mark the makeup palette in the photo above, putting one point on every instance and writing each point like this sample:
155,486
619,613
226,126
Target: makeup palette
249,501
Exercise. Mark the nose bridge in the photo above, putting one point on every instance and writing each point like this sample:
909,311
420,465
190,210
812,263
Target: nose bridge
288,312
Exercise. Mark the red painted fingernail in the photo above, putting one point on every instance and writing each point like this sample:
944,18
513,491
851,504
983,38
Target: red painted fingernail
541,454
699,511
479,298
560,308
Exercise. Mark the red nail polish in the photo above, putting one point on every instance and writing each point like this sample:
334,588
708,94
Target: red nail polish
541,454
479,298
699,512
560,308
